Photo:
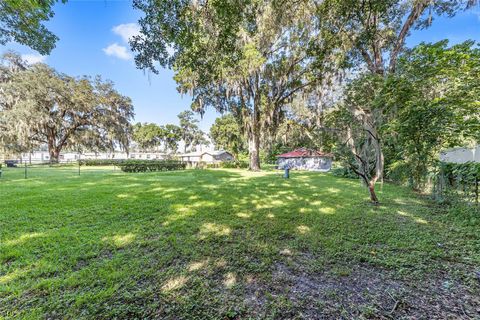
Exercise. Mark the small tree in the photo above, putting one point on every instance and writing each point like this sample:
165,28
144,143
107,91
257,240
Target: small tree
226,134
190,132
148,136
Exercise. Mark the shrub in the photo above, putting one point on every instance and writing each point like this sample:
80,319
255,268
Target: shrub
101,162
457,181
151,165
236,164
344,173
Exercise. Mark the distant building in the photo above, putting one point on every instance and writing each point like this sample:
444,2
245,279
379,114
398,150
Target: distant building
44,156
210,157
461,155
305,159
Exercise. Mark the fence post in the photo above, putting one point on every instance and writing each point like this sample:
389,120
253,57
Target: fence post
25,162
78,166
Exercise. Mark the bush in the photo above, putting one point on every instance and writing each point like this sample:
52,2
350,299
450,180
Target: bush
344,173
236,164
101,162
151,165
457,181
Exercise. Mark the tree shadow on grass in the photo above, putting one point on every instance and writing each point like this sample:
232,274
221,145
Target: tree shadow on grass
226,244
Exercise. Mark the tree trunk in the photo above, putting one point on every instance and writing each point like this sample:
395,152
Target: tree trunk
54,155
253,151
52,149
254,140
373,195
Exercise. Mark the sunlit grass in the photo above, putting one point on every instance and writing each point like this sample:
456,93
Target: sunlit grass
205,243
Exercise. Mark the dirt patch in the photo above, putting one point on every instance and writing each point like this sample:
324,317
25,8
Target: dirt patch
363,291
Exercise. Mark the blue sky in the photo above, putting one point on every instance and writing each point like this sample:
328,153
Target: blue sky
93,41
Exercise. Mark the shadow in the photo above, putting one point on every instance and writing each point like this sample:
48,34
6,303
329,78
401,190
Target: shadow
222,244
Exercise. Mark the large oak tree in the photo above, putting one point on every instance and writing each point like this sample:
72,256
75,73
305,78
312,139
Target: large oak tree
245,57
40,106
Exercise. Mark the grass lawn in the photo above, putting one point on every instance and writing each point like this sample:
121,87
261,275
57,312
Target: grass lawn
202,244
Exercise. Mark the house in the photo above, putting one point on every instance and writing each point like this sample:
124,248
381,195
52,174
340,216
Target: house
305,159
210,157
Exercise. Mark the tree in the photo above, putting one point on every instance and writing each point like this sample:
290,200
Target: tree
172,136
22,21
248,58
433,104
226,134
190,132
42,106
148,136
373,33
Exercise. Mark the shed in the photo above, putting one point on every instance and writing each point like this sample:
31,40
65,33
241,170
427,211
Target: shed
305,159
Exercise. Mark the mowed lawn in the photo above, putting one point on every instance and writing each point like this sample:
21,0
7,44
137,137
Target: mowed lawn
229,244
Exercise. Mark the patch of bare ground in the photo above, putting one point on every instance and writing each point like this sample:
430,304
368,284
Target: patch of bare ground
364,292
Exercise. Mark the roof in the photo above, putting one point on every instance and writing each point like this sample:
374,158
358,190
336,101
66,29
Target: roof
199,154
304,153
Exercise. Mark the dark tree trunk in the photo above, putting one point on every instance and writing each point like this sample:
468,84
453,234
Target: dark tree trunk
54,155
52,149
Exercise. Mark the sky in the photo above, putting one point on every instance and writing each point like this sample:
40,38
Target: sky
93,41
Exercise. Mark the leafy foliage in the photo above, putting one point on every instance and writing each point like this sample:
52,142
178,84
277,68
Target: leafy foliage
22,21
226,135
151,165
42,106
101,162
191,134
432,104
148,135
455,181
248,58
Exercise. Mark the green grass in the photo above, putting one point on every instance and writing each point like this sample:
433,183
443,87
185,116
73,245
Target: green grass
228,244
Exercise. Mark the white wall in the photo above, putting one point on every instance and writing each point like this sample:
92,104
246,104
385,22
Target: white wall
313,164
461,155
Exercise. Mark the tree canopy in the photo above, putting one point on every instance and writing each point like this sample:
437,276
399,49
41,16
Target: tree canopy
260,60
226,134
42,106
22,21
248,58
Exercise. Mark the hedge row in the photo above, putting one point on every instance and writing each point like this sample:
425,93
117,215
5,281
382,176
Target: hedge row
234,164
151,165
101,162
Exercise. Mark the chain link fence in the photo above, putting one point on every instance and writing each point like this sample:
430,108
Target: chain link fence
13,169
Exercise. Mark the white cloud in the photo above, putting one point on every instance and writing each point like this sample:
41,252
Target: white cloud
32,58
127,30
118,51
